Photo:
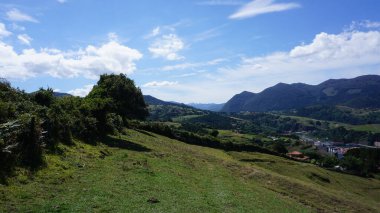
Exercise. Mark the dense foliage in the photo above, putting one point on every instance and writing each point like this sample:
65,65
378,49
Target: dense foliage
341,134
31,124
362,161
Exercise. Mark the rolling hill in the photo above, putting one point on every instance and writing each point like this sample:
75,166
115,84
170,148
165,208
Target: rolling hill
150,100
160,110
141,171
359,92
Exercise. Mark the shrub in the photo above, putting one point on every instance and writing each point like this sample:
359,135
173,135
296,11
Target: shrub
329,161
114,123
214,133
44,97
353,164
31,144
279,147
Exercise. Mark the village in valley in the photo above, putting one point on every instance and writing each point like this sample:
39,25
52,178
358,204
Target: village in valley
326,147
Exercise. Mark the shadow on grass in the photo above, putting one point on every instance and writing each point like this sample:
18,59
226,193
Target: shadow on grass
124,144
145,133
256,160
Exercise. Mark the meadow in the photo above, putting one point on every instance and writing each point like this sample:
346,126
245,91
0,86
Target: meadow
141,171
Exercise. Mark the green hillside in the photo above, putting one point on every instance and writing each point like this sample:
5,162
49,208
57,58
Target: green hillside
145,172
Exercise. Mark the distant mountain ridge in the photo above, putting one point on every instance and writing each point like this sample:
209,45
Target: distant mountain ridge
359,92
61,94
150,100
211,106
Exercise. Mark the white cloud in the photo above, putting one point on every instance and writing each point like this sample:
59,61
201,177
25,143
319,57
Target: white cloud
25,39
111,57
16,15
332,52
371,24
3,31
258,7
366,24
220,2
61,1
155,32
160,84
167,47
193,65
81,92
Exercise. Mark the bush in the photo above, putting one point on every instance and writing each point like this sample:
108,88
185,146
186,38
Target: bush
312,154
58,125
88,130
353,164
329,161
31,145
114,123
279,147
44,97
215,133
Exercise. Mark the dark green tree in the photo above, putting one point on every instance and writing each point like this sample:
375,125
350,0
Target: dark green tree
121,96
215,133
44,97
279,147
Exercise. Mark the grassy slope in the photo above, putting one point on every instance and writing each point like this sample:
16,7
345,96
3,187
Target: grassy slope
375,128
184,178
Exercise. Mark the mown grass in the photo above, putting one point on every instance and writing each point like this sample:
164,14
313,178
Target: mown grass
125,172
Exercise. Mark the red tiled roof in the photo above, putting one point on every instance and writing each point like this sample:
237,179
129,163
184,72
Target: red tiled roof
295,153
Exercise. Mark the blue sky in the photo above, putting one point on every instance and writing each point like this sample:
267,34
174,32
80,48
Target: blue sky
187,51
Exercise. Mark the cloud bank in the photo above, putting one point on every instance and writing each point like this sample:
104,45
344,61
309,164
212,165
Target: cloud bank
111,57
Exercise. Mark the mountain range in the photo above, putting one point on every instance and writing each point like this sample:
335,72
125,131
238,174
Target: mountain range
210,106
359,92
150,100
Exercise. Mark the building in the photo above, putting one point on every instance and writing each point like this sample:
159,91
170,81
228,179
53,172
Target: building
297,155
377,144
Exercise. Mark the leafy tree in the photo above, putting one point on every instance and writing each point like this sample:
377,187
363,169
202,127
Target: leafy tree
329,161
44,97
352,163
120,96
362,160
279,147
215,133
